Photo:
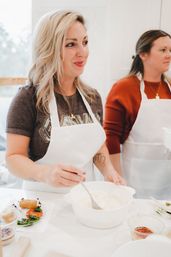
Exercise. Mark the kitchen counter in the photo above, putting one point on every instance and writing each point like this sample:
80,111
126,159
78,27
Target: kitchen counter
60,231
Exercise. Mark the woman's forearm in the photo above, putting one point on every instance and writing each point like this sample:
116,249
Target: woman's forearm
102,160
104,164
116,162
56,175
17,159
21,166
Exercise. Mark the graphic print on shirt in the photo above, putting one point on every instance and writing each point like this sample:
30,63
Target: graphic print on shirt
45,130
66,120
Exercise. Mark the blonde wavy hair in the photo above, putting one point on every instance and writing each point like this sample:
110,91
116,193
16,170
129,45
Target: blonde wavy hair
47,68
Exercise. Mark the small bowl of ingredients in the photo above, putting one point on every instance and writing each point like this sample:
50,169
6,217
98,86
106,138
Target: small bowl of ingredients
141,226
8,222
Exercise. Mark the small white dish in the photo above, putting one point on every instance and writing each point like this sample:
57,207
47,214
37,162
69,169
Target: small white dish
142,226
144,248
7,232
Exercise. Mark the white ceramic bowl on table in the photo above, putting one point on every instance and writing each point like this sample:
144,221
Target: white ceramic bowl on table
114,199
145,248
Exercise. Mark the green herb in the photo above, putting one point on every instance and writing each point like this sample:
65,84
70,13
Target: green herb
34,218
25,222
38,209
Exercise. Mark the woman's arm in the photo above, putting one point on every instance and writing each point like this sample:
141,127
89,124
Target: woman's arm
18,161
20,165
104,164
116,162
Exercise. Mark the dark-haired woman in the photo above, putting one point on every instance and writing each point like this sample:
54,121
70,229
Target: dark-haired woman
137,108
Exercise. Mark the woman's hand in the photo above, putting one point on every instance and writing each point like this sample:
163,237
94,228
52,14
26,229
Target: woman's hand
63,175
104,164
113,176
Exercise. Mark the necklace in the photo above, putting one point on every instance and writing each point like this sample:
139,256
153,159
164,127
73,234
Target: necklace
73,117
71,107
157,93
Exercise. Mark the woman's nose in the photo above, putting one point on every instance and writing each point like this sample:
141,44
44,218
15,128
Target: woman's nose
168,54
81,50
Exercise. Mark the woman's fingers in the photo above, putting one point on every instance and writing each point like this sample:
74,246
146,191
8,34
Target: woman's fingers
123,181
116,178
74,177
72,169
119,180
62,175
66,182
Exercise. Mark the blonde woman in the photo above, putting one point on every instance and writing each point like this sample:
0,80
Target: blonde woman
54,127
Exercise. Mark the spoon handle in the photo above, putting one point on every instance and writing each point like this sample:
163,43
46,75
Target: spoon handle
93,202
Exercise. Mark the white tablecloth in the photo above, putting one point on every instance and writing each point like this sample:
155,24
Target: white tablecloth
60,231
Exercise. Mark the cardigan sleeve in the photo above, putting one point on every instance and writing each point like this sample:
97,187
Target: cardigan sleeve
121,110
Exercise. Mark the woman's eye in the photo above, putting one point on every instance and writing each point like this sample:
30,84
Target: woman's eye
85,42
163,50
71,44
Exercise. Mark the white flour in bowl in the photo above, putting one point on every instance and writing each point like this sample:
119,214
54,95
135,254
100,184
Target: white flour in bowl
106,200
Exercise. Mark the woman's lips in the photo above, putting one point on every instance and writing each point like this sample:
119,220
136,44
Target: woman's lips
79,64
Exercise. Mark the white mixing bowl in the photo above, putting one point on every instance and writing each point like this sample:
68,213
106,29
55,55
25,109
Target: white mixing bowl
114,199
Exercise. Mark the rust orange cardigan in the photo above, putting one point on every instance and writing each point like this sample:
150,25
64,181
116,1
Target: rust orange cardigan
122,106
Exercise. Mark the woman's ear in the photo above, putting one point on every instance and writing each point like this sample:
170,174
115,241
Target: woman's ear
143,56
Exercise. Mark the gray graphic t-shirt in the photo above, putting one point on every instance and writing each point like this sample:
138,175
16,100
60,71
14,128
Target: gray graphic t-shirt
24,119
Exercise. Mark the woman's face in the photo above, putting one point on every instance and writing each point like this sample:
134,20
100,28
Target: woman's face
159,57
75,51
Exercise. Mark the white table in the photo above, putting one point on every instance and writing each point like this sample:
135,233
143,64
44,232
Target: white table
60,231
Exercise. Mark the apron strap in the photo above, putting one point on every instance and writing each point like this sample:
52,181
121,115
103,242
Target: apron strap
142,87
88,107
169,86
142,90
54,112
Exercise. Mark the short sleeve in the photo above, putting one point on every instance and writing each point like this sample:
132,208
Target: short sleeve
22,112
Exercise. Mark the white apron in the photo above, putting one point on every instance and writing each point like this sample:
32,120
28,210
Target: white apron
70,145
146,162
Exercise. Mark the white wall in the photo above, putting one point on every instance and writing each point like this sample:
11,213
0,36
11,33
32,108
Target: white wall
113,27
129,20
166,15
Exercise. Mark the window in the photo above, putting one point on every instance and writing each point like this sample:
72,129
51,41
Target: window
15,31
15,46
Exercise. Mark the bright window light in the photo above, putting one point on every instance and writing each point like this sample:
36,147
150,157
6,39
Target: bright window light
15,34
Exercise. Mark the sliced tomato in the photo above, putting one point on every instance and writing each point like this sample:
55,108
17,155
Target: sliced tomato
34,213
